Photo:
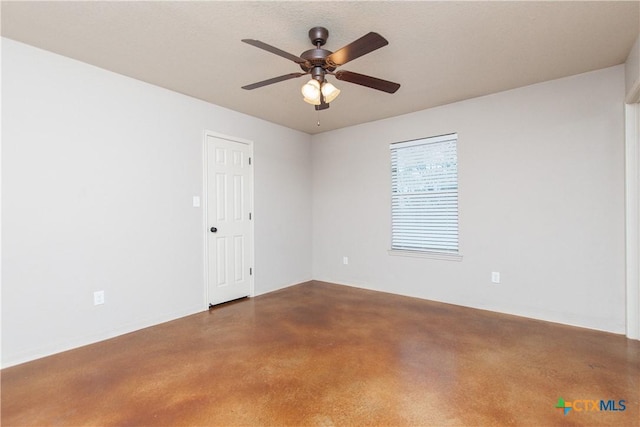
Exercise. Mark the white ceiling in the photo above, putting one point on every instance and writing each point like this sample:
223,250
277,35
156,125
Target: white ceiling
441,52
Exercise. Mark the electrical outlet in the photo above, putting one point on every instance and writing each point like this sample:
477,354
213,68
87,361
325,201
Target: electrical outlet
495,277
98,297
345,260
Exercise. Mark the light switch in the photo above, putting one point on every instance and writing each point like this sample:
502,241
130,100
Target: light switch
196,201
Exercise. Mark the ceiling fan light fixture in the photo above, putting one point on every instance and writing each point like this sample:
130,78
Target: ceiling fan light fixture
311,92
330,92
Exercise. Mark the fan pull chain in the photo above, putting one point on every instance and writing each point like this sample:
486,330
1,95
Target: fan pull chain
318,118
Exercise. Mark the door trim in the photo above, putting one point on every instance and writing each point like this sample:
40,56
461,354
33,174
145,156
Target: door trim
205,216
632,214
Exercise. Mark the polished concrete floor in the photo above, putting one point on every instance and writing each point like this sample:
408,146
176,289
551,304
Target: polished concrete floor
318,354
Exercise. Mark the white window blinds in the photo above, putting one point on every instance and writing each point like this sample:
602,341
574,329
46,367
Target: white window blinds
424,195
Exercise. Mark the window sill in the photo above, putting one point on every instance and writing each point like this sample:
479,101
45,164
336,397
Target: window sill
431,255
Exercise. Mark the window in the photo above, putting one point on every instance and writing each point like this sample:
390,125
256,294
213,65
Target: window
424,195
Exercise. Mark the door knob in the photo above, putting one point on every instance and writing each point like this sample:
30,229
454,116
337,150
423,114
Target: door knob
213,229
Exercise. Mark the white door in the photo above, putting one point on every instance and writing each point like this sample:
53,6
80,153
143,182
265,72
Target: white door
230,239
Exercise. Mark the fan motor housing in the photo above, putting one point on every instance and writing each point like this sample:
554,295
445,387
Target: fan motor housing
316,58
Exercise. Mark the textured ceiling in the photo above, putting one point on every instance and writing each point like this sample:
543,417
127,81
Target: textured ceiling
441,52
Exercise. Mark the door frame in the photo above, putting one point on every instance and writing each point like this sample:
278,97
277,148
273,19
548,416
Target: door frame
632,216
205,211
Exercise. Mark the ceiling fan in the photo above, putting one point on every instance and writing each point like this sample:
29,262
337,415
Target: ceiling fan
319,63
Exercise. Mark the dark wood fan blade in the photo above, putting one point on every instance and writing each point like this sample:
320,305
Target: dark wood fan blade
362,46
272,49
273,80
368,81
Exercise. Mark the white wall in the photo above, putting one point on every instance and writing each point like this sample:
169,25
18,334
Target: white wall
541,175
98,174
